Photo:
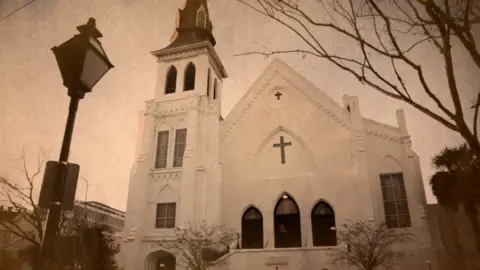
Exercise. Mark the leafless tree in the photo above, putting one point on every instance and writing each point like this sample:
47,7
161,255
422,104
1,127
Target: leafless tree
387,32
22,198
368,246
200,245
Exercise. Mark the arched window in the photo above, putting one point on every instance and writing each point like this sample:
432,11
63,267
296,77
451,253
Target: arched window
323,225
201,18
189,82
171,83
215,89
252,228
208,83
287,223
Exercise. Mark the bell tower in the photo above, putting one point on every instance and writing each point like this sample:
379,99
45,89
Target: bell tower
189,64
176,175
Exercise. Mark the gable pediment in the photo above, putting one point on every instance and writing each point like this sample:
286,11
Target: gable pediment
279,78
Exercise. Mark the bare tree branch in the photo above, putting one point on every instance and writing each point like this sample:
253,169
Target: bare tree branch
200,245
476,108
368,246
21,196
421,22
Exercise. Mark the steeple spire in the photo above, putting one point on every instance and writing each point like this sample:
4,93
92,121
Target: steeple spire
193,25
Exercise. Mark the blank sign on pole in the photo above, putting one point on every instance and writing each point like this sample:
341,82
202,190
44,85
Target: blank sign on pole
49,178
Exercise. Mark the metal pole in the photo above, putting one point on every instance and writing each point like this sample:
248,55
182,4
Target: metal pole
54,214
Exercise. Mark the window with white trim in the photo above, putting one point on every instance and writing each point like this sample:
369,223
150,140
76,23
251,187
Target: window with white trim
165,216
162,150
180,144
395,202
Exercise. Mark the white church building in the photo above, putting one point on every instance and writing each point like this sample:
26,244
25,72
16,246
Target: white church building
285,168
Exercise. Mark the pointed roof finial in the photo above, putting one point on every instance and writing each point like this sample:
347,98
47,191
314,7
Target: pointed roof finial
193,25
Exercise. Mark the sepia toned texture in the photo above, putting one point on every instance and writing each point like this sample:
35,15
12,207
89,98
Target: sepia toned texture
34,103
285,168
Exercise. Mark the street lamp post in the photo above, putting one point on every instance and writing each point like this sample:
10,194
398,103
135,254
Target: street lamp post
82,63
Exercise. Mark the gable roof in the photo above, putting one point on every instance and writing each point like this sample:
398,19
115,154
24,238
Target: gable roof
293,79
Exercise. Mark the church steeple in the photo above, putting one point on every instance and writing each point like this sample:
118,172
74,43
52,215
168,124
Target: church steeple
193,25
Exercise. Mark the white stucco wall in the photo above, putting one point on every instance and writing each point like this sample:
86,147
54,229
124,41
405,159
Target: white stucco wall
335,155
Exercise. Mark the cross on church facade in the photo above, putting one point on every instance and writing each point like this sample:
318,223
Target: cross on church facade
278,95
282,145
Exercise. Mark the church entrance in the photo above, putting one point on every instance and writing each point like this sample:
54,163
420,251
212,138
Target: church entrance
160,260
165,263
287,223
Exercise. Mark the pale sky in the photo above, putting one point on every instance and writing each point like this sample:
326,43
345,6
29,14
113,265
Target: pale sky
34,103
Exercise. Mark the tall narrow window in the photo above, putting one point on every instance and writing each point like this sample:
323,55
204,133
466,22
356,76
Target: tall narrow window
323,225
189,80
171,82
202,18
180,143
395,203
165,216
252,229
215,89
208,83
162,149
287,223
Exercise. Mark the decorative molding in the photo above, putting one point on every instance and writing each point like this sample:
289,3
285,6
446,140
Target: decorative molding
382,136
405,139
201,168
158,113
194,104
161,235
165,176
381,125
142,157
212,108
192,50
327,111
182,55
254,96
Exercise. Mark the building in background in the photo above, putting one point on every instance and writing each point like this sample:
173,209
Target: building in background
96,213
11,245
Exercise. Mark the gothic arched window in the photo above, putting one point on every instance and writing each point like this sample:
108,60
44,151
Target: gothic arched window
201,18
287,223
252,228
215,89
208,83
171,82
323,225
189,80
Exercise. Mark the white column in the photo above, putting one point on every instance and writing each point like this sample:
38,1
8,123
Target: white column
364,186
214,167
187,190
140,199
